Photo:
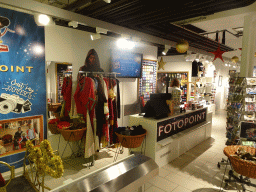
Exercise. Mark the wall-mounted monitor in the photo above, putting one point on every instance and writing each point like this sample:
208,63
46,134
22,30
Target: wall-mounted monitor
126,64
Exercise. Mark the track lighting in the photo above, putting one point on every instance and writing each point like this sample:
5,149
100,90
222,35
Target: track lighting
107,1
95,36
166,49
73,24
101,30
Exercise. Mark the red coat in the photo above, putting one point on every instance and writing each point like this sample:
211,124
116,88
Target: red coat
85,97
67,92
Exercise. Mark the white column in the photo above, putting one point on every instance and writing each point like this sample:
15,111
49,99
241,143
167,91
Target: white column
248,46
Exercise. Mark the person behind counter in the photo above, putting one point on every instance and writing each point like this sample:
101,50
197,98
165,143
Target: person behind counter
176,94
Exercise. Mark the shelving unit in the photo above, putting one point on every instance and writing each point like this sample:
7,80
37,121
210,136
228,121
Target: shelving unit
183,79
203,89
240,105
147,83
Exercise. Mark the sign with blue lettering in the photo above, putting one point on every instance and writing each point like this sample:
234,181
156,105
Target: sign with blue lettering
175,125
22,83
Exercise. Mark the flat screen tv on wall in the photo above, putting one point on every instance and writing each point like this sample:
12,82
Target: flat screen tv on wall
126,64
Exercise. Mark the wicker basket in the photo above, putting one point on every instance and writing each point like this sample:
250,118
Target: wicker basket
72,135
131,141
53,128
242,167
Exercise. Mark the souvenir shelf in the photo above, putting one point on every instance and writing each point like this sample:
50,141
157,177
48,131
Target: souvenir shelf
183,79
147,83
240,105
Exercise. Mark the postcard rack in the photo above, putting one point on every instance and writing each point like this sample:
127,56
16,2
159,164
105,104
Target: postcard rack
241,105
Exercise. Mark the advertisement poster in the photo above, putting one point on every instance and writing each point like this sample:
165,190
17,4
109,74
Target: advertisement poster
22,84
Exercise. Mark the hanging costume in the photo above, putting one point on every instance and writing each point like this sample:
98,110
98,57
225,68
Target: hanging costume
67,92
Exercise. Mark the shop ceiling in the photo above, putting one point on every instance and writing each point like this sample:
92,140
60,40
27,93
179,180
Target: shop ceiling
161,19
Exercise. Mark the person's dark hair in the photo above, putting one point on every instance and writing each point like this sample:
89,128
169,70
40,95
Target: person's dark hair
5,22
175,83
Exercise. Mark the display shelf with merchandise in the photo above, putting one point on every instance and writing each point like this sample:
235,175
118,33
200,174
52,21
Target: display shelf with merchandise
183,79
147,83
240,105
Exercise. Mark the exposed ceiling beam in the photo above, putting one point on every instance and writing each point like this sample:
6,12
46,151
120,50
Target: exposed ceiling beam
77,4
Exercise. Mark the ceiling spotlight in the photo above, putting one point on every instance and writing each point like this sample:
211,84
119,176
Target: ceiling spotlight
226,64
107,1
125,44
73,24
166,49
101,30
43,20
95,36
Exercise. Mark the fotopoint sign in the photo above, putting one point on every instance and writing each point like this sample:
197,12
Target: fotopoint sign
175,125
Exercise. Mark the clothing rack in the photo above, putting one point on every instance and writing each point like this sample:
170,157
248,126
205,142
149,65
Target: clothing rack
67,73
94,72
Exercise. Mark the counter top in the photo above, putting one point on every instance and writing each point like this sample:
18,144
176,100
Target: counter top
169,117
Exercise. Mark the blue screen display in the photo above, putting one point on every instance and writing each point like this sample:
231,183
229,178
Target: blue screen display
126,64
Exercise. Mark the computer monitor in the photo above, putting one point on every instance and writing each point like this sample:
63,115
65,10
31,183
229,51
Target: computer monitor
157,107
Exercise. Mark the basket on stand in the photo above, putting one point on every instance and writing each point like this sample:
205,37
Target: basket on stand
242,167
129,141
52,125
72,135
53,128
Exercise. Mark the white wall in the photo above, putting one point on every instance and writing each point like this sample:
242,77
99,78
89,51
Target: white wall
70,45
220,98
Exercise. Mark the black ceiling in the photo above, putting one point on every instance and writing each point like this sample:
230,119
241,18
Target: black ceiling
155,17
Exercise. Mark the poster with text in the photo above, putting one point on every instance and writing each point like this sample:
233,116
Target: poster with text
22,80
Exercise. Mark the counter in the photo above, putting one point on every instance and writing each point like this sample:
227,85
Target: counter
170,137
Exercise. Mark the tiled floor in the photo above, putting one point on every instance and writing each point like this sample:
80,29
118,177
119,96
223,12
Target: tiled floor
194,171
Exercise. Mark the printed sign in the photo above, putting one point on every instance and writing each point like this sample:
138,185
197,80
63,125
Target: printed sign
22,66
175,125
22,84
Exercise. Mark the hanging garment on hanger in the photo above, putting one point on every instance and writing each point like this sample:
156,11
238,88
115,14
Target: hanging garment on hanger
100,116
90,149
118,98
85,98
67,93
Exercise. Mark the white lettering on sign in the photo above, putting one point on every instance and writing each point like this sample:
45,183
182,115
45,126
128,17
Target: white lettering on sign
165,128
191,119
186,121
180,123
160,130
19,88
